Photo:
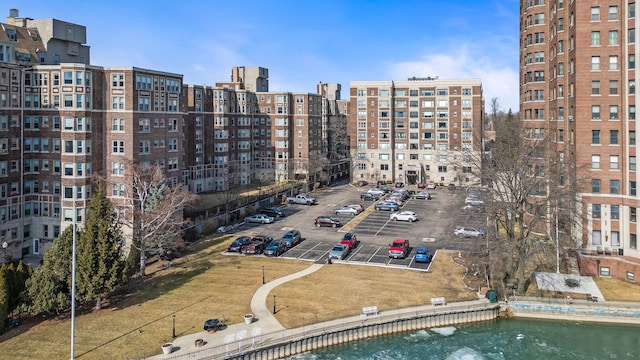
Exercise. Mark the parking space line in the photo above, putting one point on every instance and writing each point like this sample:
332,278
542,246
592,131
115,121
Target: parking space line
374,254
311,249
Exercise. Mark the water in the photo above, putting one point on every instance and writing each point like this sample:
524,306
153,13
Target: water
502,339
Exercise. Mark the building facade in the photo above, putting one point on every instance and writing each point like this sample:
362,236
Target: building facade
416,131
578,79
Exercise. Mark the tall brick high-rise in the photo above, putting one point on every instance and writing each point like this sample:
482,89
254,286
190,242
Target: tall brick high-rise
578,90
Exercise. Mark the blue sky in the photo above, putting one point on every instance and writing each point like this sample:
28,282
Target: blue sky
303,42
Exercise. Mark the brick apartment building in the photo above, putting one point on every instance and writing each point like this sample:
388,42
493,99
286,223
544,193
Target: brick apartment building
63,120
417,131
578,89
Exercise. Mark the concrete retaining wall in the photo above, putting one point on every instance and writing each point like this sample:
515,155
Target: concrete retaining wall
365,329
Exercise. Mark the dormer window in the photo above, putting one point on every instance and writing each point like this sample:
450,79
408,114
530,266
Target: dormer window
11,34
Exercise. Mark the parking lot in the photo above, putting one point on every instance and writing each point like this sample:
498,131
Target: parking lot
437,219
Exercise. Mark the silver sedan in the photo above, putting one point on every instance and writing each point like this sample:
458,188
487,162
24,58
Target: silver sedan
259,218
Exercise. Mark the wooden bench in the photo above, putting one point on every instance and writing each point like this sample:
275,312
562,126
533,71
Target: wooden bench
438,301
370,310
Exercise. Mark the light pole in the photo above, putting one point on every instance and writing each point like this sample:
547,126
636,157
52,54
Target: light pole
5,245
274,304
263,275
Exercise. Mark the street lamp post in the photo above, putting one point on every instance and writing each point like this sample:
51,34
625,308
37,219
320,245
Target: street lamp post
5,245
274,304
263,282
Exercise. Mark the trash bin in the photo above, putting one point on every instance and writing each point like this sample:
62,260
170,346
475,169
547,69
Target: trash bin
492,296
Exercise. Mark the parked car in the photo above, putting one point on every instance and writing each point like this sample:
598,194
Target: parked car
358,207
349,239
339,251
275,248
259,218
365,196
292,238
255,247
264,238
422,185
468,231
362,183
395,199
327,221
236,245
399,184
376,192
470,200
404,216
399,249
431,186
422,255
422,195
384,187
273,212
347,211
451,186
387,206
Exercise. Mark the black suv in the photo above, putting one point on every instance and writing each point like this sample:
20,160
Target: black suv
368,196
273,212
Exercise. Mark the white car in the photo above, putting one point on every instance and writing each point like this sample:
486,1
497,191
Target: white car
404,216
468,232
347,211
431,186
259,218
358,207
375,192
473,201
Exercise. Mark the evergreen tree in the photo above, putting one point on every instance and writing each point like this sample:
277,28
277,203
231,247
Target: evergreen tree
101,266
48,288
44,292
4,296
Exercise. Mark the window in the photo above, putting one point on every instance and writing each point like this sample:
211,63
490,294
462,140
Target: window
595,13
613,13
613,112
614,186
595,211
632,214
595,112
630,276
632,137
632,163
613,37
632,61
613,88
595,38
613,62
605,271
613,137
613,162
595,161
117,80
632,36
595,136
632,188
632,112
615,212
117,124
595,185
118,147
595,87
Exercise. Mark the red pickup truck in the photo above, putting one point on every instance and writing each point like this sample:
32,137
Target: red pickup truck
399,249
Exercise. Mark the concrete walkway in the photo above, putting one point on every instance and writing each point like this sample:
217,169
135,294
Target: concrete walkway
264,322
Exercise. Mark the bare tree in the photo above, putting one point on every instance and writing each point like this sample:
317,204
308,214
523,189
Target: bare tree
318,167
338,137
518,206
156,217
